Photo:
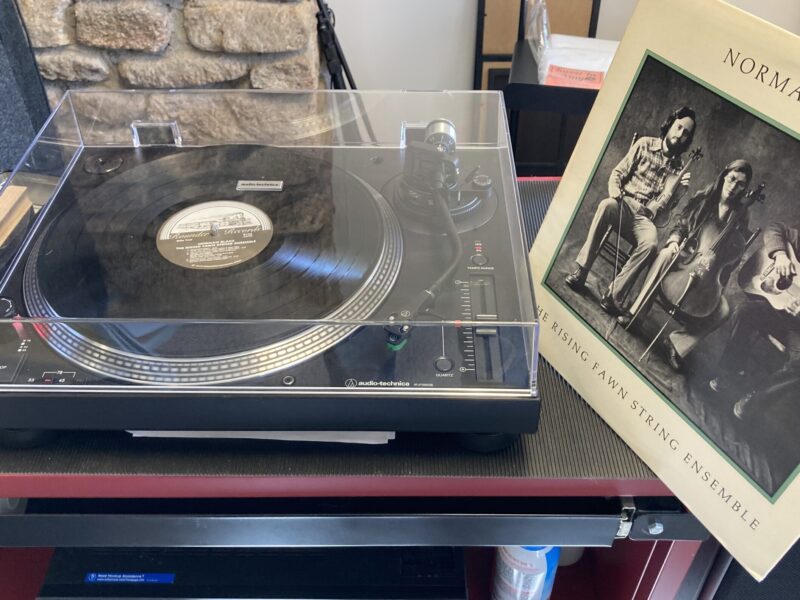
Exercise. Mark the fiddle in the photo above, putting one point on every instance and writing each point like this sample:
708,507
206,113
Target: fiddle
694,285
662,206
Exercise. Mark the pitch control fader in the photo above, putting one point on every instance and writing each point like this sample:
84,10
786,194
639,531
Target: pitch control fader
488,359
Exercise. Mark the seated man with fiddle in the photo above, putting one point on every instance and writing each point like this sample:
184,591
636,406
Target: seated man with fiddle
704,247
769,279
635,188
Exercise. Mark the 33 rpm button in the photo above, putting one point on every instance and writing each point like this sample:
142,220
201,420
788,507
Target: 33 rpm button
443,364
479,260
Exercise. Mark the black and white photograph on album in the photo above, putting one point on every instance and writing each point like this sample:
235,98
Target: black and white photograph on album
683,256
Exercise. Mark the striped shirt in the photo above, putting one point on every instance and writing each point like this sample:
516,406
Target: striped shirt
643,171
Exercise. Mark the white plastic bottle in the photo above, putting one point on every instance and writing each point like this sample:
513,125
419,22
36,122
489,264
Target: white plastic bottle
524,572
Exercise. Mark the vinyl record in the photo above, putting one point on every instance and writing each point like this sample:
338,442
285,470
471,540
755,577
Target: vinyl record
217,233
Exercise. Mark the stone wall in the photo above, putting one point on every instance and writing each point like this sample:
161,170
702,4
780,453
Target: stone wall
269,44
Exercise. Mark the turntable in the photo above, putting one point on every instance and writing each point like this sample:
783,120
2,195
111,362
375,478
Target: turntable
230,260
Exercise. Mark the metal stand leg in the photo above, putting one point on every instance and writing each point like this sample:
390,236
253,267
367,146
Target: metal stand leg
675,308
616,250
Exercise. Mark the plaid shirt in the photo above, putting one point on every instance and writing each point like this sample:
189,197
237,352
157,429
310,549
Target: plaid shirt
643,171
778,236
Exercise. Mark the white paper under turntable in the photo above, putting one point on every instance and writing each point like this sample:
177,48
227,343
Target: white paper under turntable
341,437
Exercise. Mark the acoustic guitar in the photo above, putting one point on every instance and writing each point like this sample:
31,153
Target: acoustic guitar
758,277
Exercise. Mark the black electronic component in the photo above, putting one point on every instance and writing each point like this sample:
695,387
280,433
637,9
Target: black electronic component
424,573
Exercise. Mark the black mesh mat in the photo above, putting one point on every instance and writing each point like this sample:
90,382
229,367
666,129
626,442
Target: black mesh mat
572,441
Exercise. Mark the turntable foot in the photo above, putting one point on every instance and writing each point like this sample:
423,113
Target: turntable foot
486,442
25,438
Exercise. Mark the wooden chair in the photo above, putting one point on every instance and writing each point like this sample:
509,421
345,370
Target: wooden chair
614,247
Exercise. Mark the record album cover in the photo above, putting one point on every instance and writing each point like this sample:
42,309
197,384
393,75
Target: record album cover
667,271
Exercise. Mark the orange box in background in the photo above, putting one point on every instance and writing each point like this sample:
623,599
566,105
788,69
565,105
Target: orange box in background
580,78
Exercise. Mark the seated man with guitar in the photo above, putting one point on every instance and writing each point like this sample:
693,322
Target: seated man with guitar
692,270
769,278
644,186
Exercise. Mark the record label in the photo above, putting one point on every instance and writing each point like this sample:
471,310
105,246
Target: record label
214,235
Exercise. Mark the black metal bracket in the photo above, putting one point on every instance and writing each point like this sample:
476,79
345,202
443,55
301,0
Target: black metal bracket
273,522
664,519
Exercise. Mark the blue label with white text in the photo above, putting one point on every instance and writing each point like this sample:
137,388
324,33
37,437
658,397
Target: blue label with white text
129,578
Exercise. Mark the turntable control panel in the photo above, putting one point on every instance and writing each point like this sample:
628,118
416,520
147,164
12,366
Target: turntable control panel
434,357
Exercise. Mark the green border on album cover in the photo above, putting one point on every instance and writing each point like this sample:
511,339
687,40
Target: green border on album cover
649,54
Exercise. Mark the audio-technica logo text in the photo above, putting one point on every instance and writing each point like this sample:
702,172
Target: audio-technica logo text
372,383
258,185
